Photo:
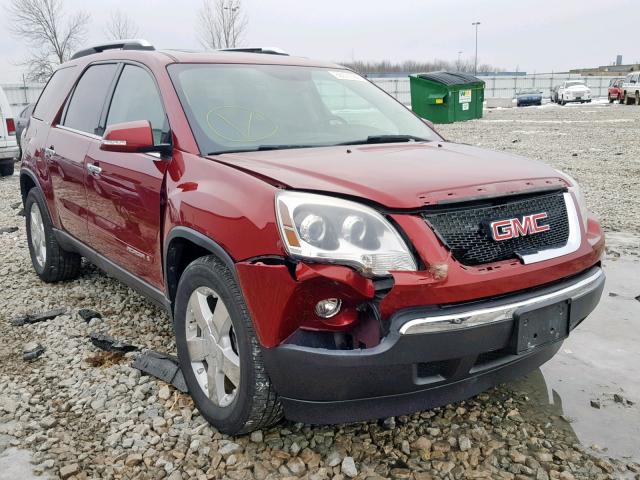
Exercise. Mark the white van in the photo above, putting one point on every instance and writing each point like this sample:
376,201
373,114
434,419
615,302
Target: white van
8,144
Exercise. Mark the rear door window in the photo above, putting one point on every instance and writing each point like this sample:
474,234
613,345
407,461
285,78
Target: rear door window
88,98
54,92
137,98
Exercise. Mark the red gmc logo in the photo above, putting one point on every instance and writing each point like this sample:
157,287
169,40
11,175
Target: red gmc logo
516,227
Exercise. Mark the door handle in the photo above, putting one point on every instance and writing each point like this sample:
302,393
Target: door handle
94,169
49,152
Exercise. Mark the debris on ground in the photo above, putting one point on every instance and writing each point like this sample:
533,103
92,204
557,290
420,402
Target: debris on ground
162,366
41,317
110,344
87,314
595,404
31,351
8,230
105,359
15,205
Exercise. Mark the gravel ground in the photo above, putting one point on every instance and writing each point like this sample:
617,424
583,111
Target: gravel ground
81,413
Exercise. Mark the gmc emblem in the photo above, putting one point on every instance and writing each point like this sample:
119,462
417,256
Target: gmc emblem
516,227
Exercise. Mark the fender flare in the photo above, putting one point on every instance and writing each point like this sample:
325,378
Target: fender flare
34,179
202,241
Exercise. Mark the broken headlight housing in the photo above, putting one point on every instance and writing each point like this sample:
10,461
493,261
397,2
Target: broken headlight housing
333,230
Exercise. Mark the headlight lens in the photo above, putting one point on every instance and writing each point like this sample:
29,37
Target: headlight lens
328,229
575,189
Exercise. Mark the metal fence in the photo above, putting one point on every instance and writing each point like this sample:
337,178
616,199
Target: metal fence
20,94
504,86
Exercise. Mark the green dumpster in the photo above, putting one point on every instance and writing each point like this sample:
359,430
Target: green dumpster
446,97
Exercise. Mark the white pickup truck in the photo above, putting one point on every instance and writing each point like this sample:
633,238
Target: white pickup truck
631,89
573,91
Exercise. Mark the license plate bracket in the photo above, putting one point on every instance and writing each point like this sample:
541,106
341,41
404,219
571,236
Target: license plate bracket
537,326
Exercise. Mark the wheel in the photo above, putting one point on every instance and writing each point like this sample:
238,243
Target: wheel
562,102
50,261
610,98
627,99
6,169
219,352
637,98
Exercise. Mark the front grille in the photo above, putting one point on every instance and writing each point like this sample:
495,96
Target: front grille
465,230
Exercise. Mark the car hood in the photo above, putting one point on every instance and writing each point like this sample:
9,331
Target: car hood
399,176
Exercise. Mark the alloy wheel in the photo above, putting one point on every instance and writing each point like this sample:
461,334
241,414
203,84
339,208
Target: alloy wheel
38,238
212,346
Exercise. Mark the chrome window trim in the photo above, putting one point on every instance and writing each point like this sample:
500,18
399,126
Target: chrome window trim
573,241
79,132
483,316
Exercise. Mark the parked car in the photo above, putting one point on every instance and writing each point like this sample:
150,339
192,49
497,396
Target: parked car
631,89
528,97
322,251
21,123
8,145
615,90
573,91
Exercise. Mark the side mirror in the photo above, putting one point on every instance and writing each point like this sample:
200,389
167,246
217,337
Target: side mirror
131,137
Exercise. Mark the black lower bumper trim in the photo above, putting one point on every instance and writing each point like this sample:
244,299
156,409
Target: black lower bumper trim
402,404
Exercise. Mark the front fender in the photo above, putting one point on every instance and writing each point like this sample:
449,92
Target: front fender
234,209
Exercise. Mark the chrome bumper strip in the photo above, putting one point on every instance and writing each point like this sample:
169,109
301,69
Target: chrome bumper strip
440,323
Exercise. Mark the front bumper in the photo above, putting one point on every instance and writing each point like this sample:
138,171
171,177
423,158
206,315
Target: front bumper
431,355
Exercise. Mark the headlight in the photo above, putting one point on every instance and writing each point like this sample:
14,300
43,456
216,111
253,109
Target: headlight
328,229
578,195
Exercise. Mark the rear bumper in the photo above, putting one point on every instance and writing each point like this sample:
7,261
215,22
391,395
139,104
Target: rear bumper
423,363
9,153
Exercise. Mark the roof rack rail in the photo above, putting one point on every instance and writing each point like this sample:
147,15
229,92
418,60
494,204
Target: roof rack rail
128,44
265,50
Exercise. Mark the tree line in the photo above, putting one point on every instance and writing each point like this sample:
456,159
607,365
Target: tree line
53,34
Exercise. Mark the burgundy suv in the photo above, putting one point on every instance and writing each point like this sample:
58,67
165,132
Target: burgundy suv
322,251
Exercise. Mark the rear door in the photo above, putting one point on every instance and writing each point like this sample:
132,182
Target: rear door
68,143
125,196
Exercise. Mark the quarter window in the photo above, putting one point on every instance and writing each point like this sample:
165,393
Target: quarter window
54,92
87,101
136,98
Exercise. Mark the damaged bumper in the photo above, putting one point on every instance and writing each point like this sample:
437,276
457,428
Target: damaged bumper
417,366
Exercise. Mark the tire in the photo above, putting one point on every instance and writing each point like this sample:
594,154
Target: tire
627,99
50,261
6,169
610,98
637,98
247,400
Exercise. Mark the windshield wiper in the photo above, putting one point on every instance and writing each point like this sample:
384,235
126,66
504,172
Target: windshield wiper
372,139
261,148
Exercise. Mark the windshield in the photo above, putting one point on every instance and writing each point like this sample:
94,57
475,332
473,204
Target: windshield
251,107
575,83
529,92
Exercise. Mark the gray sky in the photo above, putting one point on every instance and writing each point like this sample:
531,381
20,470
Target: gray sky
536,36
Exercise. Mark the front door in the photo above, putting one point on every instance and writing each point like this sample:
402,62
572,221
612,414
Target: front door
124,189
68,143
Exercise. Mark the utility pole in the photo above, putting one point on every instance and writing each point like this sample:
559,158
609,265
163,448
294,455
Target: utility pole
233,23
458,65
475,64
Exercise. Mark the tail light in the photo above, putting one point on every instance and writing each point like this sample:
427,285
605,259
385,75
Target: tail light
11,126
